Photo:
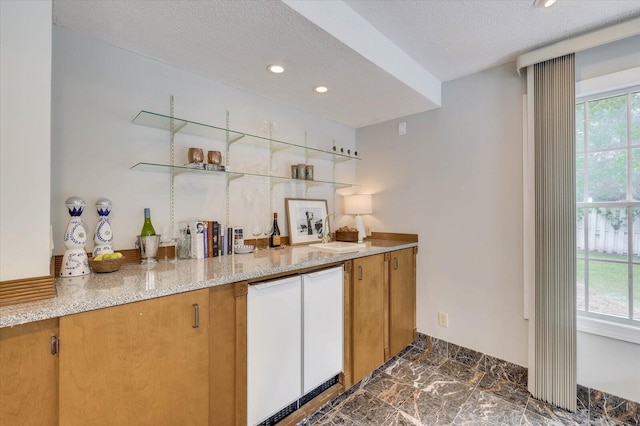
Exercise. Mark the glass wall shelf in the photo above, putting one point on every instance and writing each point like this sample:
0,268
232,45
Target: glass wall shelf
178,170
280,179
230,175
160,121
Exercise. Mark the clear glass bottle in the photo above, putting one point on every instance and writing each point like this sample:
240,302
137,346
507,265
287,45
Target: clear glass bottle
184,244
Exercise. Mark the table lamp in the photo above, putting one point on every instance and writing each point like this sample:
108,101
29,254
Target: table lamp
358,204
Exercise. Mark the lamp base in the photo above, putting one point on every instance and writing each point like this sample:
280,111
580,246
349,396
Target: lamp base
362,233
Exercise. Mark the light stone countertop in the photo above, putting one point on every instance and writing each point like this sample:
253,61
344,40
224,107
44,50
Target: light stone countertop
134,282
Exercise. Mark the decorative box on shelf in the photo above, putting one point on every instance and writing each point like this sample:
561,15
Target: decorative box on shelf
346,235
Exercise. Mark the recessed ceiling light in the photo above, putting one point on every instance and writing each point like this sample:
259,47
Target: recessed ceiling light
544,3
321,89
275,68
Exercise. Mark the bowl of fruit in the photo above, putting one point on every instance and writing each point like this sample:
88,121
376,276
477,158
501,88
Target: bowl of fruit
108,262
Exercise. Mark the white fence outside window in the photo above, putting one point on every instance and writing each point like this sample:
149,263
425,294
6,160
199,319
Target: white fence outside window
607,234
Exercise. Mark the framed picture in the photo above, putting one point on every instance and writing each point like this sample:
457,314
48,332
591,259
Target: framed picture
305,218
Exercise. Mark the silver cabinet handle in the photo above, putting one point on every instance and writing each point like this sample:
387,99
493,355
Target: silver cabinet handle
359,273
196,313
396,263
55,344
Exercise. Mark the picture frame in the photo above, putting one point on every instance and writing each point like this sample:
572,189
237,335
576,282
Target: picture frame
305,218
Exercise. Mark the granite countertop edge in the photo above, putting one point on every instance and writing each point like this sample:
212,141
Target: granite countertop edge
95,291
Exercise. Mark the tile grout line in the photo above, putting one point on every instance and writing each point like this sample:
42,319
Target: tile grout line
589,407
444,351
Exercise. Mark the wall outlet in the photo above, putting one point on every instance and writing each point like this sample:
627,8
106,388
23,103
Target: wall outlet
402,128
443,319
367,230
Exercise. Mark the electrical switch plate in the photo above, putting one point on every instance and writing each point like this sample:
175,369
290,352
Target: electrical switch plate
402,128
443,319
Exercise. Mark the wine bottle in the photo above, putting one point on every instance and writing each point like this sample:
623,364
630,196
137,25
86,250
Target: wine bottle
274,240
147,227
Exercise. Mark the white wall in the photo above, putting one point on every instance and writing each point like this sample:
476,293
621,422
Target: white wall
25,120
607,364
607,59
456,179
98,89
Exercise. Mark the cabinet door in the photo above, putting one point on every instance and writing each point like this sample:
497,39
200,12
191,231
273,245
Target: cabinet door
323,324
143,363
368,313
402,300
228,354
274,347
28,374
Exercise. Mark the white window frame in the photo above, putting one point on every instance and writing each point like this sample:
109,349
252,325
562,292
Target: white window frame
586,90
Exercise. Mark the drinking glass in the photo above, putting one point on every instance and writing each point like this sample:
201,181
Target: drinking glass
166,243
168,239
268,229
256,230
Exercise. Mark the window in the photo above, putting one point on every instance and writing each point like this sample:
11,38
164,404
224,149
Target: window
608,201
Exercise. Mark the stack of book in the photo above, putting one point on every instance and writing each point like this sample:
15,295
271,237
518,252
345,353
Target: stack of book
212,239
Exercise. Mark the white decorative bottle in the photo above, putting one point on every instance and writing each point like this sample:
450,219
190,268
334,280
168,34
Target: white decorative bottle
75,261
103,237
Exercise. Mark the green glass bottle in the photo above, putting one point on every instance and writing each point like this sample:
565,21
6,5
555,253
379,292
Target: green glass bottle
147,227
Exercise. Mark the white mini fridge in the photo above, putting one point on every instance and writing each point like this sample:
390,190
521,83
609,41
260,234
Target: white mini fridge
295,339
274,339
323,326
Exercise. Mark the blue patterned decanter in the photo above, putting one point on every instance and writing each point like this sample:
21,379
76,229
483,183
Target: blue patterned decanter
103,236
75,261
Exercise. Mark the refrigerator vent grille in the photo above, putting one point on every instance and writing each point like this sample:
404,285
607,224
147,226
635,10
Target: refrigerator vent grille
289,409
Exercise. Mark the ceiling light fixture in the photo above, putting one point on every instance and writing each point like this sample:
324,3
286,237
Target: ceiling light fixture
275,68
321,89
544,3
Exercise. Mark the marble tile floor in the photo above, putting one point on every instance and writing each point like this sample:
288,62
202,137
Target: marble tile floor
424,388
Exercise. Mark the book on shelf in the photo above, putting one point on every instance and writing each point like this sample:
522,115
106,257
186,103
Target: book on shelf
197,239
209,239
216,238
206,238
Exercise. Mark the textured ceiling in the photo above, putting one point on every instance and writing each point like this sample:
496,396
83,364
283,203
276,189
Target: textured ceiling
234,41
454,38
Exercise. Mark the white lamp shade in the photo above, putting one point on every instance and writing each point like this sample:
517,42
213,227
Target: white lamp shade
357,204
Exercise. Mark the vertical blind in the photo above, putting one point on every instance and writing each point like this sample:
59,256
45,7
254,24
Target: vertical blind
555,235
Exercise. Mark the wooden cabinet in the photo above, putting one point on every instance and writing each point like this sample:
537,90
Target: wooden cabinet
145,363
367,315
228,355
402,299
380,310
141,363
28,374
